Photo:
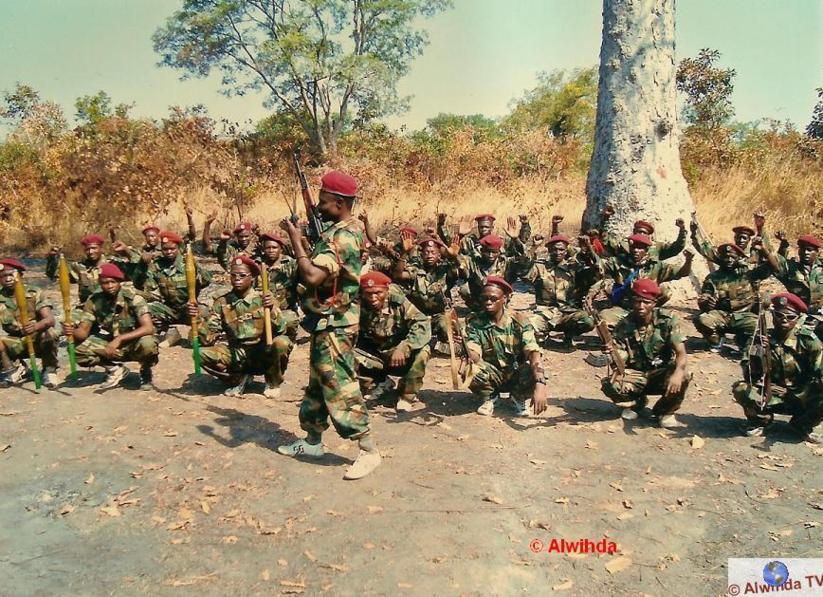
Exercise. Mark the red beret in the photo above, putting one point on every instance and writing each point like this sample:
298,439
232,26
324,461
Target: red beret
492,241
339,183
646,288
10,262
808,239
409,229
746,229
170,237
558,238
436,241
640,239
248,262
482,217
242,226
92,239
792,301
726,247
500,283
109,270
374,279
273,236
150,227
644,224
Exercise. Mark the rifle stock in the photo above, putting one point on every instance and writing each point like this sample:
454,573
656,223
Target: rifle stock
314,229
23,308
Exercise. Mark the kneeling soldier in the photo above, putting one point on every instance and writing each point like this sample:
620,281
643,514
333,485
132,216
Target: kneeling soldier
504,352
240,315
122,330
654,352
790,358
394,338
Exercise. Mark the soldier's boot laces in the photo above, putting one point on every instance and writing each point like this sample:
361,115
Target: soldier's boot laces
366,462
302,448
116,375
237,391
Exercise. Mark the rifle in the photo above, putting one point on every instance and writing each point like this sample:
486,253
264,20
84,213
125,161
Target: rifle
616,360
764,355
460,372
314,229
191,284
264,285
711,265
65,291
23,307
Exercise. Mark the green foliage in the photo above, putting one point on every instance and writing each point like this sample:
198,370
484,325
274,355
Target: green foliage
708,90
19,103
815,127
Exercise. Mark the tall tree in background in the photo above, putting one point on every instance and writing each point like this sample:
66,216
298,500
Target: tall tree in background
325,63
635,164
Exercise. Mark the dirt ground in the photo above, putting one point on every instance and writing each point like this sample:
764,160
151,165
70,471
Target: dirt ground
180,491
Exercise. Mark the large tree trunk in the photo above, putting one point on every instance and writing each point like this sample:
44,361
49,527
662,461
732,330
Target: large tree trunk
635,164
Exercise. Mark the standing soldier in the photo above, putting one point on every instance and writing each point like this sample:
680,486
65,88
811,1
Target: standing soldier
228,248
134,263
332,308
84,273
40,327
394,339
114,328
504,353
282,272
239,314
783,373
490,261
166,288
654,352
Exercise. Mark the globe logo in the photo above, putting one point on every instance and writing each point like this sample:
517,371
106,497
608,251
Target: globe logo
775,573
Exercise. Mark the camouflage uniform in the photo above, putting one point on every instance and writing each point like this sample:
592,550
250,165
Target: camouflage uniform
110,318
227,250
241,320
398,324
475,272
797,380
167,291
649,355
504,350
429,291
616,245
83,273
808,285
133,266
333,318
709,251
470,244
12,338
283,286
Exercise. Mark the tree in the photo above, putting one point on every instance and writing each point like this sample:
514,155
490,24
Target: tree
815,127
33,120
635,164
327,63
708,90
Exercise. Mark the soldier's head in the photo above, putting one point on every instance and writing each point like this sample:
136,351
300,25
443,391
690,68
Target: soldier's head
272,246
374,287
93,246
787,309
430,251
558,248
742,236
242,234
337,193
485,224
643,227
111,277
645,293
729,254
152,235
9,270
639,246
170,245
495,294
490,246
242,273
808,249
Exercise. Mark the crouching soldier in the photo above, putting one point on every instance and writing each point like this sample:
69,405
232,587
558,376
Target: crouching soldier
40,327
504,352
783,373
240,315
394,339
653,349
115,328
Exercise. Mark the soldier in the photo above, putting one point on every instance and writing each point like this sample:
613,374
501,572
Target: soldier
743,236
790,358
40,326
489,262
654,352
394,339
504,352
114,328
228,248
282,273
84,273
730,299
470,241
134,263
558,287
614,244
239,315
166,288
332,308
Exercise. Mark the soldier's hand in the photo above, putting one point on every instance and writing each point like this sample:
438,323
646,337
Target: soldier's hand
675,382
540,398
29,328
710,300
465,226
268,300
68,329
680,223
557,219
187,208
608,211
55,251
288,226
225,235
192,310
398,357
441,219
147,256
112,348
759,219
211,217
428,230
764,341
689,255
781,236
512,229
607,349
119,247
363,216
524,218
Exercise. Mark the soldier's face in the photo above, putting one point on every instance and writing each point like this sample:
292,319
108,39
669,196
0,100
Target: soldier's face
375,297
639,252
807,253
93,252
741,239
558,252
169,250
7,278
151,237
330,206
785,319
430,254
110,286
493,299
729,260
643,308
489,254
241,277
243,238
484,227
272,251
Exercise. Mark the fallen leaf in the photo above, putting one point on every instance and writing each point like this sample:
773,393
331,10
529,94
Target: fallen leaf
204,506
185,514
229,540
562,500
375,509
618,564
111,510
282,562
537,461
493,499
310,555
170,434
564,586
265,575
625,516
404,585
697,442
5,447
816,505
627,504
616,485
297,584
9,413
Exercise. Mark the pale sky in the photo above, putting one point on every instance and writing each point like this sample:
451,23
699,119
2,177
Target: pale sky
482,54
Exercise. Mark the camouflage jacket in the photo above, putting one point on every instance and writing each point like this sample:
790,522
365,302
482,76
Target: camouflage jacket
398,323
475,272
133,265
336,302
736,290
652,347
282,282
506,345
112,317
240,318
807,284
429,290
621,268
228,249
615,244
83,273
10,315
796,362
166,281
559,285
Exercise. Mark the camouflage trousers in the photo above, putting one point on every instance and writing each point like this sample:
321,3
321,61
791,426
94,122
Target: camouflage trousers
632,390
804,405
487,380
715,323
440,325
292,322
45,347
90,352
553,319
613,315
230,362
164,316
333,389
411,373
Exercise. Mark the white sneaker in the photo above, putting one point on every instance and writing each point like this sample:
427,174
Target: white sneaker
237,391
20,374
271,392
407,403
520,408
116,374
669,422
754,429
47,379
628,414
172,338
366,462
302,448
487,408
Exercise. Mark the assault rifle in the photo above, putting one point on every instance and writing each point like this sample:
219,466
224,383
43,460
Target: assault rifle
617,363
764,355
314,229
